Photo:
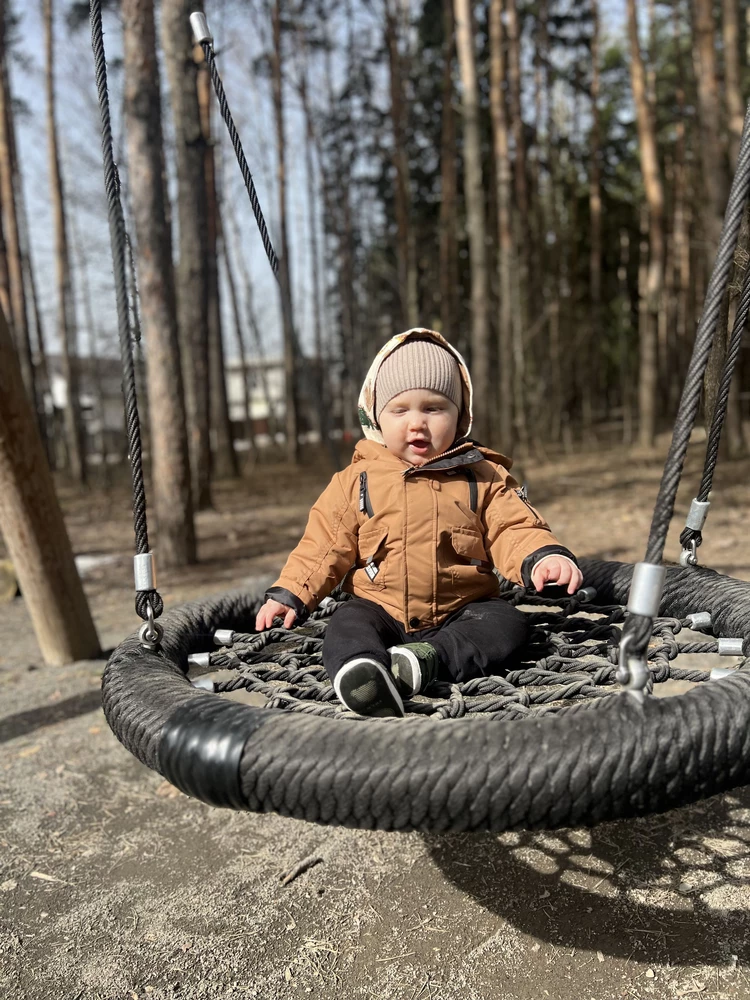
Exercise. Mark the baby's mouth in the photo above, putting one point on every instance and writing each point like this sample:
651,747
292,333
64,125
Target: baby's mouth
419,445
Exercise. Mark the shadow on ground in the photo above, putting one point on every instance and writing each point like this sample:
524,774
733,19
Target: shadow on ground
675,886
24,723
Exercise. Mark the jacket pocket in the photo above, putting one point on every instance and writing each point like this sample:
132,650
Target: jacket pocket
372,552
468,544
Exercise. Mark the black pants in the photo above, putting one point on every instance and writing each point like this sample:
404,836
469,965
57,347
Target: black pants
472,642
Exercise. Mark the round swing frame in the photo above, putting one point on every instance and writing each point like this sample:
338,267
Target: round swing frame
623,758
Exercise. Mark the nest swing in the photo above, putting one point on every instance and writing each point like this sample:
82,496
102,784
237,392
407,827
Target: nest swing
570,735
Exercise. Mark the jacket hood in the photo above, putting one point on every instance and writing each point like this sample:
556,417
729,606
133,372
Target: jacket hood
366,403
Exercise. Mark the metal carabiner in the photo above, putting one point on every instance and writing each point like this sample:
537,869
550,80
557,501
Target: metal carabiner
151,632
689,557
632,671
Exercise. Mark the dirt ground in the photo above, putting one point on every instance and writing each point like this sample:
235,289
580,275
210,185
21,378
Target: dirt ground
113,885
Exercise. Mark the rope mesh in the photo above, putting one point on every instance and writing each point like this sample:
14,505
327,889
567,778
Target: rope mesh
568,663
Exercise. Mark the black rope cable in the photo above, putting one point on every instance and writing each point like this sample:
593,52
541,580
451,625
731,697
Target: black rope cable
637,628
247,177
690,535
118,241
688,409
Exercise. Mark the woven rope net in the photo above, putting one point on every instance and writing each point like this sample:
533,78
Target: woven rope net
569,662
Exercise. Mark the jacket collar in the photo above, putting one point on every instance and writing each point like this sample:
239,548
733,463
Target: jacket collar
463,452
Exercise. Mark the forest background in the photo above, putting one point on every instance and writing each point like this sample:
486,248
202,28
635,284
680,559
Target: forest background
543,182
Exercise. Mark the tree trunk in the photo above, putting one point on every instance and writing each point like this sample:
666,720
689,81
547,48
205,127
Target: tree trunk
273,420
504,228
291,420
223,458
593,365
338,179
191,275
33,527
66,321
715,177
321,378
732,441
732,75
169,446
4,277
241,352
735,118
405,243
652,183
38,349
712,150
448,186
681,222
474,194
18,316
624,338
595,195
80,256
527,283
559,359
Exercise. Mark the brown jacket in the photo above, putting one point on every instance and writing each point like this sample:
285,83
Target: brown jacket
419,541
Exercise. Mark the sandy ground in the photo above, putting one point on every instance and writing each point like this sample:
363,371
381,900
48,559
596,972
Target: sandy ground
115,885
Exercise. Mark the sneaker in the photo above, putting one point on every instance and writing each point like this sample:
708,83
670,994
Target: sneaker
366,687
414,665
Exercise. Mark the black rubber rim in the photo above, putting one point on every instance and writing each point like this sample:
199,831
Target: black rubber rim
617,760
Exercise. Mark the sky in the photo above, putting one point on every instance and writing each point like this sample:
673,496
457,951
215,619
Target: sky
238,41
78,128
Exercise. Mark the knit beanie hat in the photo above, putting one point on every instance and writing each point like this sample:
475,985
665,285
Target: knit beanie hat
418,364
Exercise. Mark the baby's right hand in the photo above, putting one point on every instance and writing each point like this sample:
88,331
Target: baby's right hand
273,609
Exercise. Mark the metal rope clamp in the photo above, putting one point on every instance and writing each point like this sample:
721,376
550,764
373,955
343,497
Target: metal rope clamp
695,520
199,24
644,600
151,632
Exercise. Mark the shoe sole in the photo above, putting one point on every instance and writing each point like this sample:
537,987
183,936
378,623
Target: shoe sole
365,687
405,666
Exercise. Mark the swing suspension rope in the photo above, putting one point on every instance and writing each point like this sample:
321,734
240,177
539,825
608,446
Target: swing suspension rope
648,577
692,534
646,590
148,601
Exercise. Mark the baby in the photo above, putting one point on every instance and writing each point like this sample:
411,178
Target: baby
415,526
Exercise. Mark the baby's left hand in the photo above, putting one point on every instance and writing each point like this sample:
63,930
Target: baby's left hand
557,570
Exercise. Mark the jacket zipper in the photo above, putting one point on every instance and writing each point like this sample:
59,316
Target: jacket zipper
437,458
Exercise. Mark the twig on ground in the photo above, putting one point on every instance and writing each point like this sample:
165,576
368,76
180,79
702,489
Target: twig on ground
301,867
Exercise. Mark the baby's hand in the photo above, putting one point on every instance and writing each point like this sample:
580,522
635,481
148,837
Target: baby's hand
558,570
273,609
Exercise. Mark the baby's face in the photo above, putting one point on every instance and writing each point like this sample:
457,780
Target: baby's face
417,425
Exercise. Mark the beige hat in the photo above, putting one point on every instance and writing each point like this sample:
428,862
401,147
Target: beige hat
418,364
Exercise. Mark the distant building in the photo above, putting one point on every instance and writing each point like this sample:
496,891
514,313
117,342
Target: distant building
265,387
100,386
